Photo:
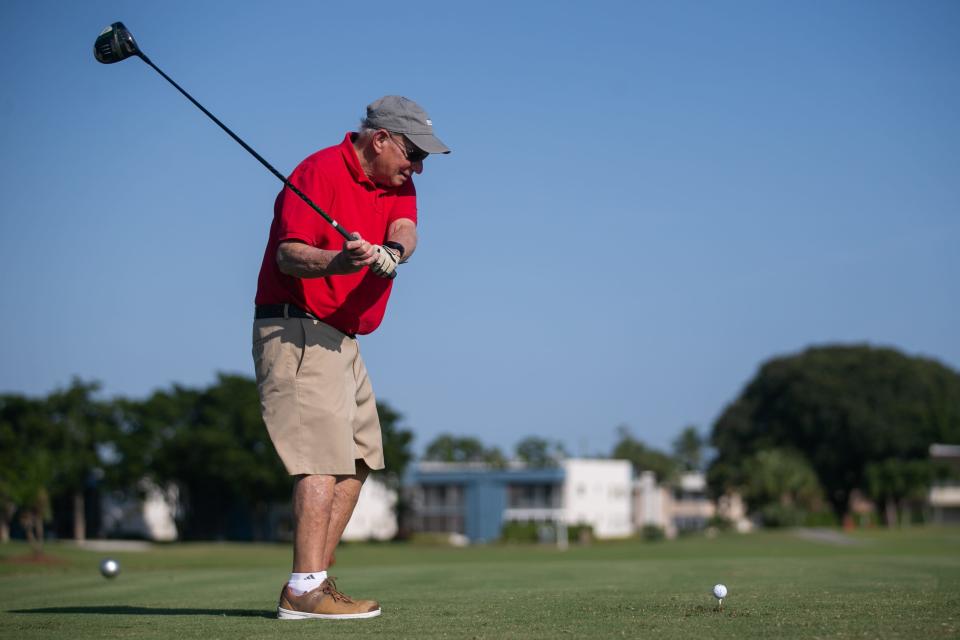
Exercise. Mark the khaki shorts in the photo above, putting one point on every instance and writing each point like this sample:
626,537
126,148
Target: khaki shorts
315,397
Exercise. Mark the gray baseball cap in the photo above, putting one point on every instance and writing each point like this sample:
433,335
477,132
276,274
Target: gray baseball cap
402,115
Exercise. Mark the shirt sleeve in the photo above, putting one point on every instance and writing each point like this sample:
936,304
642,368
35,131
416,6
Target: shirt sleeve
297,219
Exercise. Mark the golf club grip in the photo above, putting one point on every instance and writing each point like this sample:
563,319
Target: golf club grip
336,225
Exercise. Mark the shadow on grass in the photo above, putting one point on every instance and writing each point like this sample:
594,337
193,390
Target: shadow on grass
725,612
154,611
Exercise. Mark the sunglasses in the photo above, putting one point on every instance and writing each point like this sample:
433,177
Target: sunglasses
414,154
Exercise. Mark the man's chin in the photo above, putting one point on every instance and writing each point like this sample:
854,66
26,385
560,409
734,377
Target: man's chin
392,183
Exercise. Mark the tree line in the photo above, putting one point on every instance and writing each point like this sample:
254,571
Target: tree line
61,452
687,453
805,436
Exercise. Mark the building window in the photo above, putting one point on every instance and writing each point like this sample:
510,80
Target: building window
443,496
439,508
533,496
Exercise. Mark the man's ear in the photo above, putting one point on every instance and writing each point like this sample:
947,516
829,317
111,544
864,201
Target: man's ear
379,141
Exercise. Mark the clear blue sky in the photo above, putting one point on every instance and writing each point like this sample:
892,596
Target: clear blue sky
646,200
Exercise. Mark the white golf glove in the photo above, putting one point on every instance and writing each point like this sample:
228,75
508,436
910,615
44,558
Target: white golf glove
387,261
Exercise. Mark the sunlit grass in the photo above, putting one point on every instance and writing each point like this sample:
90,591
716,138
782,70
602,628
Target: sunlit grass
885,584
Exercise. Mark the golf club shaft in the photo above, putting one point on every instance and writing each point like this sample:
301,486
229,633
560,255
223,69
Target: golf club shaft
256,155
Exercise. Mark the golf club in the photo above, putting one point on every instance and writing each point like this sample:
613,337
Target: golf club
116,43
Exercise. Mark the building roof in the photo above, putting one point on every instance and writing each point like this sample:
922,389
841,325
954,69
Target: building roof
453,472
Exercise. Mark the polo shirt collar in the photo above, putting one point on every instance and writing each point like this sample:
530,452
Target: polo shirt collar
353,161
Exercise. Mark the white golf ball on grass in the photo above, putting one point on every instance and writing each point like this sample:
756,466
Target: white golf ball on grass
109,568
719,591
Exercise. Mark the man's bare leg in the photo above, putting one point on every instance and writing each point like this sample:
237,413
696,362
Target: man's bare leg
312,504
346,493
322,506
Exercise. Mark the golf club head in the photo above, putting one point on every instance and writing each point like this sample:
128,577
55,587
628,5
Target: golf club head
114,44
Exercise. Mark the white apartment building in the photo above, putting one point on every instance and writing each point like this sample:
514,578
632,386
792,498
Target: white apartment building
597,492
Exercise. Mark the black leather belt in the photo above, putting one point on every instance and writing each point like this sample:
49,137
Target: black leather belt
287,310
284,310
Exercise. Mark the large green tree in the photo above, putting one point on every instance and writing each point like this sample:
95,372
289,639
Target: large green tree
50,455
782,487
212,446
843,408
209,444
80,422
26,466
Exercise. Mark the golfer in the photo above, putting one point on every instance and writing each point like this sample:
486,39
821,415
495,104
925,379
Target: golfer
315,295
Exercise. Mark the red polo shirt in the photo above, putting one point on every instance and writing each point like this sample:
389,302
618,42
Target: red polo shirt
333,179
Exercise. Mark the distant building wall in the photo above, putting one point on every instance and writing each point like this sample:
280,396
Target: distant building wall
679,506
597,492
692,509
476,500
651,504
473,499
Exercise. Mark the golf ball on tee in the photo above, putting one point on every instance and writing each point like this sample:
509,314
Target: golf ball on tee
109,568
719,591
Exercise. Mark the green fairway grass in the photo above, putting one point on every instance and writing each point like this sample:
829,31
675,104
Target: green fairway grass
874,584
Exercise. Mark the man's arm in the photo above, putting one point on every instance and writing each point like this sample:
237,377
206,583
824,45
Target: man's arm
301,260
404,231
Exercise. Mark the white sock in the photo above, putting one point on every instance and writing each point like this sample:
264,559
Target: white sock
300,583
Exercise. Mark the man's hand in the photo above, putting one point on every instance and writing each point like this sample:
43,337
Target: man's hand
358,253
386,261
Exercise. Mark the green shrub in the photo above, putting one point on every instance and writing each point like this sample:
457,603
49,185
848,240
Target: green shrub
652,533
580,533
544,532
520,532
825,518
778,515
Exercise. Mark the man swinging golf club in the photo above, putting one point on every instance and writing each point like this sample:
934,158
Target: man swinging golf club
316,293
319,287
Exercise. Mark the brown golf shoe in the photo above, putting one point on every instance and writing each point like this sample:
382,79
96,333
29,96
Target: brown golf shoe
324,602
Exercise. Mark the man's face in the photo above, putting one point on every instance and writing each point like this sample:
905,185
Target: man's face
397,159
